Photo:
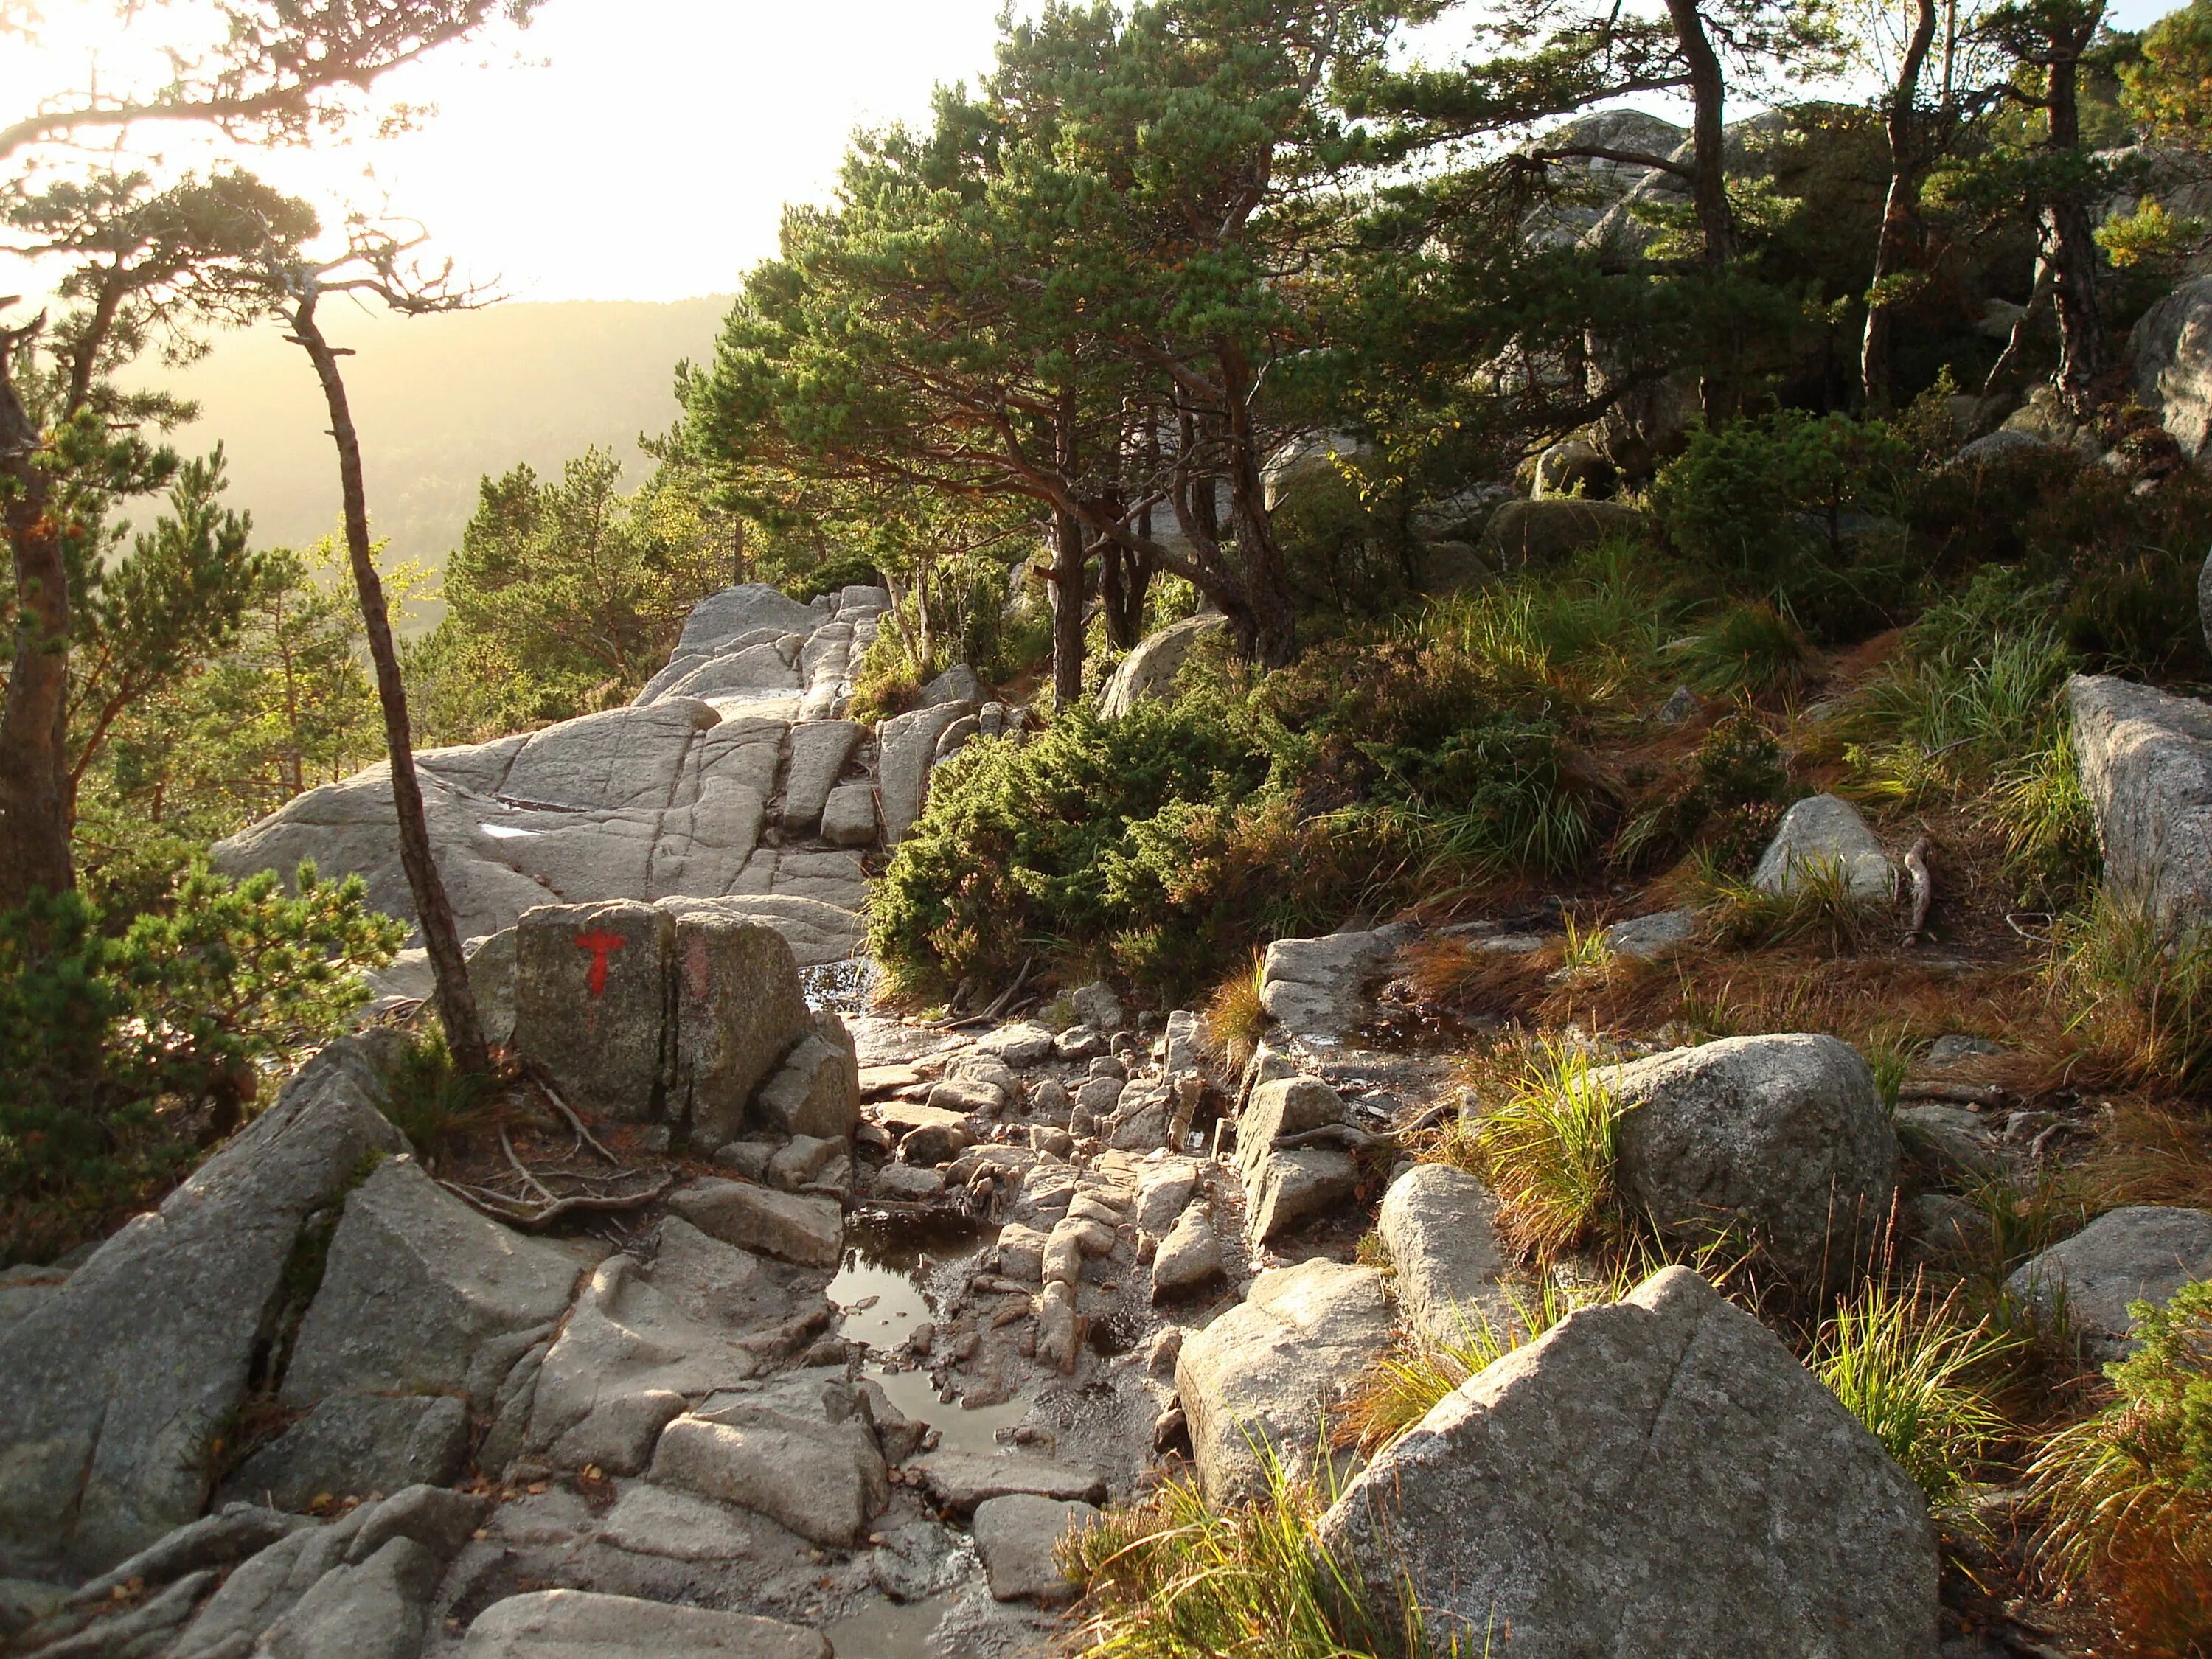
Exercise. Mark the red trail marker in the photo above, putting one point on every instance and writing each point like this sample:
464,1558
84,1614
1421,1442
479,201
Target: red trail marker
599,942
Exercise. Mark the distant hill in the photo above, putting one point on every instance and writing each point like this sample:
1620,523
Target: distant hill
440,401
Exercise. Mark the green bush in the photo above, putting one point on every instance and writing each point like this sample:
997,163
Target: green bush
1726,803
1377,771
128,1050
1796,507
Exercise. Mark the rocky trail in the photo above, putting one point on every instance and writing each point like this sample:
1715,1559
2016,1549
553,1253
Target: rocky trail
774,1326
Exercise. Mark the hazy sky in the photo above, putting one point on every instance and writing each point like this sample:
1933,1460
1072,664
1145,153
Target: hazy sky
617,148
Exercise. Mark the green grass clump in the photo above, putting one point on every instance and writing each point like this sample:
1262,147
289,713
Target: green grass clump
1820,908
1394,1394
1917,1376
1170,1578
1549,1154
2125,1496
1749,646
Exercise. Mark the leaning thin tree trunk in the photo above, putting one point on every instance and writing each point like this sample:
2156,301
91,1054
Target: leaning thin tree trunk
34,789
456,1007
1900,212
1707,172
1066,581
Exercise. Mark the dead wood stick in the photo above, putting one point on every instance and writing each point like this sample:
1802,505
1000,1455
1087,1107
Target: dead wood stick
545,1084
1924,888
1439,1113
1343,1134
1965,1094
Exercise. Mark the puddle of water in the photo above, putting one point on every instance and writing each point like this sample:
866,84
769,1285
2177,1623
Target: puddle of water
881,1294
888,1630
842,988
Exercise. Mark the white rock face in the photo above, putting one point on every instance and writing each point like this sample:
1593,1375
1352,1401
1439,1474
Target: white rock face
907,746
1314,986
2171,347
1825,832
1266,1370
665,799
1659,1476
115,1387
2143,1253
2146,761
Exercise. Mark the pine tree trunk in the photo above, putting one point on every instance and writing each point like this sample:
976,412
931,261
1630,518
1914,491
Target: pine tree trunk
457,1006
2074,254
1900,212
34,790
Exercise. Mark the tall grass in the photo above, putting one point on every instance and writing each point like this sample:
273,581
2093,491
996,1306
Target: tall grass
2050,830
1548,1153
1172,1577
2136,992
1917,1377
1749,646
2126,1495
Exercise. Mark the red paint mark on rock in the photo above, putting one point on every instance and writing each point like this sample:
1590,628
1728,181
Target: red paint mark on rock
698,969
599,942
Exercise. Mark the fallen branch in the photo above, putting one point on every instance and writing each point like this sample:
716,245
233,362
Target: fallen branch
1963,1094
501,1208
583,1134
1923,888
1342,1134
1441,1112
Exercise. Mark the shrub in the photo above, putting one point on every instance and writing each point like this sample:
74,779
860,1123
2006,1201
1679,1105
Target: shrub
2126,1495
1779,507
126,1054
1172,1577
1727,802
430,1102
1913,1374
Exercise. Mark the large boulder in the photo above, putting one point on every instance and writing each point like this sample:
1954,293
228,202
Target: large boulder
417,1286
590,1003
633,802
1150,669
1781,1139
116,1388
1522,534
1439,1225
565,1624
2143,1253
799,1449
820,750
1266,1372
2172,350
1658,1477
2146,761
1823,834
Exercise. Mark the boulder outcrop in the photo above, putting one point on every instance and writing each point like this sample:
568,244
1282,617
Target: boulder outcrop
1658,1476
2146,761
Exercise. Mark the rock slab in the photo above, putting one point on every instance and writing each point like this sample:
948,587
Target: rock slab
1658,1477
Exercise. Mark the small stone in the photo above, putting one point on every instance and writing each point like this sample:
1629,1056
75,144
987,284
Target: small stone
1682,706
1189,1257
1018,1045
1096,1006
793,1227
909,1182
1079,1042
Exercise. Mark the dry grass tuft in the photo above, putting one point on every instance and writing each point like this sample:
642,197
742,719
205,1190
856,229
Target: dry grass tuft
1234,1019
1449,973
2153,1155
1548,1153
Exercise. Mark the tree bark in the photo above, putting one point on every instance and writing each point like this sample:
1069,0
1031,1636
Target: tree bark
457,1006
1894,245
34,792
1708,103
2073,244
